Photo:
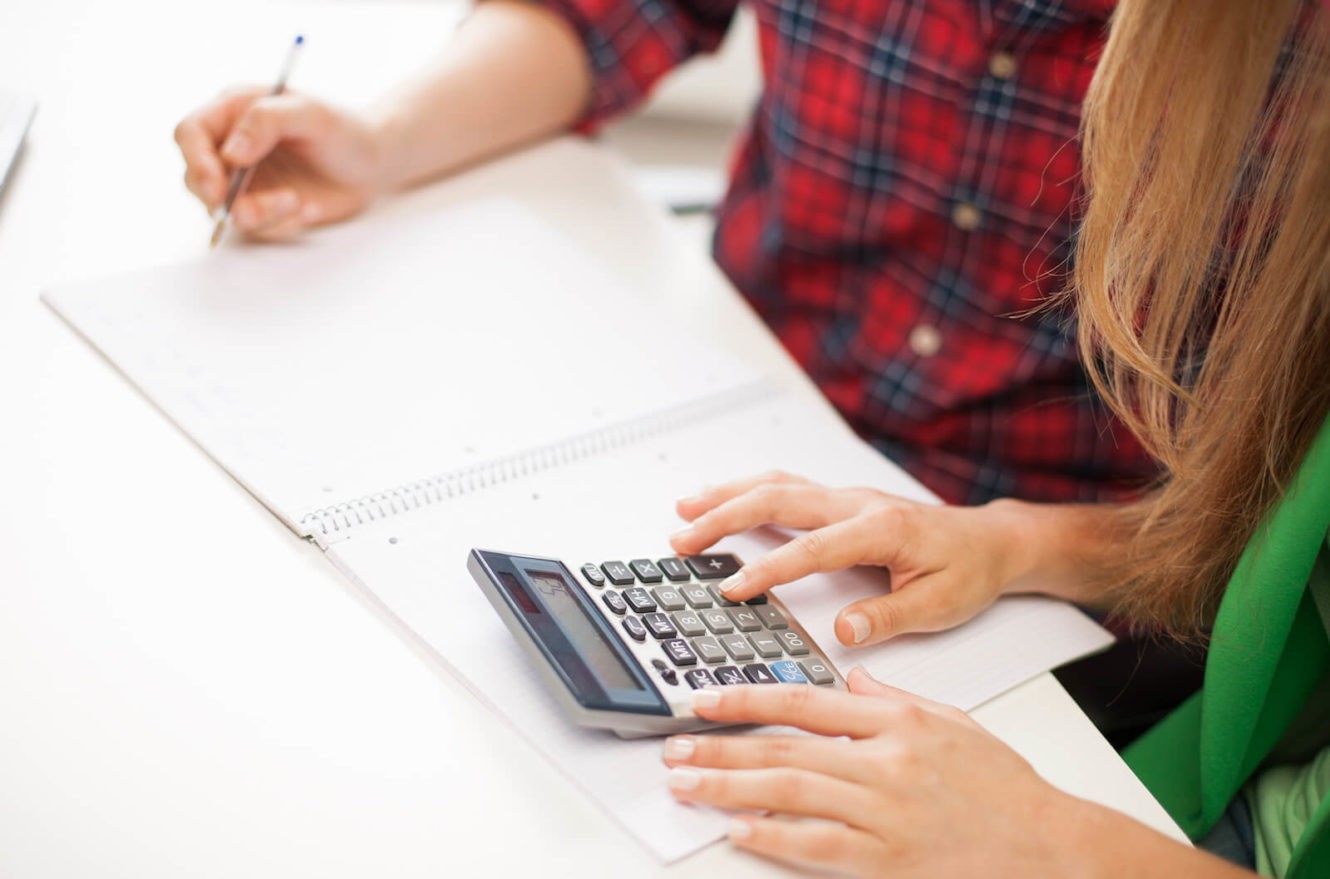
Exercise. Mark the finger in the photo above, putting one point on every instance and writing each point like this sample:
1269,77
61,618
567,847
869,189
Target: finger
255,212
862,683
283,231
927,604
791,505
821,844
833,548
198,136
692,507
815,709
270,121
789,791
825,756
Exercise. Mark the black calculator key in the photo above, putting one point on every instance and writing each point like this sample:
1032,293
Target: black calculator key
713,567
668,598
720,596
729,675
708,648
817,671
614,601
745,620
679,652
688,623
660,626
673,569
718,621
646,570
759,674
772,618
670,676
633,626
765,644
593,575
618,573
757,599
699,678
737,646
698,596
639,599
795,645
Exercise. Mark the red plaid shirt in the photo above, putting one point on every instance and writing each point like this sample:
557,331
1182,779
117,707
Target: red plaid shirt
899,203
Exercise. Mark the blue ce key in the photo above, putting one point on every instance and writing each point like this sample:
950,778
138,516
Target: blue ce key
787,672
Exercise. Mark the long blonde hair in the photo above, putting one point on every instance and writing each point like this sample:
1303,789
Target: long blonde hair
1202,275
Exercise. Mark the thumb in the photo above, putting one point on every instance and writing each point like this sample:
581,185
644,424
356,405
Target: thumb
909,609
268,122
860,682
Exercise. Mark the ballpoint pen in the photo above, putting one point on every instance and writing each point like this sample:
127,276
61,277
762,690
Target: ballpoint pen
240,177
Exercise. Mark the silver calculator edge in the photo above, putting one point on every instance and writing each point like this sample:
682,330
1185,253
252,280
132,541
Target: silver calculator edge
624,724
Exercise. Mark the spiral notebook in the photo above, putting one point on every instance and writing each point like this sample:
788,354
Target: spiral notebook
527,358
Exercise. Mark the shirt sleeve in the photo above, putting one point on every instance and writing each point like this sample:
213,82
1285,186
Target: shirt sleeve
633,43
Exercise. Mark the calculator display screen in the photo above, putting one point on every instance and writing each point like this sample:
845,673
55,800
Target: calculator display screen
583,636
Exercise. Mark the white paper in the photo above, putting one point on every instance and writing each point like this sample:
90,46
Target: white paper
321,372
621,506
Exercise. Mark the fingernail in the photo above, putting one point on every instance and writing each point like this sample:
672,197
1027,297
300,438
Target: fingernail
682,533
732,582
287,200
237,146
684,778
705,698
309,214
739,829
691,499
679,747
860,626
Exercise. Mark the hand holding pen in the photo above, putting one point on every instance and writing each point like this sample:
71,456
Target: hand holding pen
240,177
272,163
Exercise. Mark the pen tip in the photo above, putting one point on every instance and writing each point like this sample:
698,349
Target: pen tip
216,235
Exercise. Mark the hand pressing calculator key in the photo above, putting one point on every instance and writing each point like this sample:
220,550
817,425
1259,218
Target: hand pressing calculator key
622,645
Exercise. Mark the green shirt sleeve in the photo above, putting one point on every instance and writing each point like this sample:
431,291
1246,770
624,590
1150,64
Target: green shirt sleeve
1285,800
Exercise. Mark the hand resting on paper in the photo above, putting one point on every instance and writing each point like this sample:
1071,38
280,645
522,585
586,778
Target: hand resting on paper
947,563
915,789
901,786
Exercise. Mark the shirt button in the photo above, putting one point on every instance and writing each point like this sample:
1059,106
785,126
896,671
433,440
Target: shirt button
925,340
966,216
1002,65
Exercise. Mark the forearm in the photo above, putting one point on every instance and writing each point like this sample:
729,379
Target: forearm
514,73
1105,844
1068,551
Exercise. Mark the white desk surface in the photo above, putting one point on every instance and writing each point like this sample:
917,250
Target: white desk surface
185,687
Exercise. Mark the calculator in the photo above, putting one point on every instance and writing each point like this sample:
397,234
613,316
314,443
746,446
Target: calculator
622,644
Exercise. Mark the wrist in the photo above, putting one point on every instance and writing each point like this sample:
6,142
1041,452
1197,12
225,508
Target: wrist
1055,549
387,132
1086,836
1016,527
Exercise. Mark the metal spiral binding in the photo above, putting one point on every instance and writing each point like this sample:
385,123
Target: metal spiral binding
338,518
